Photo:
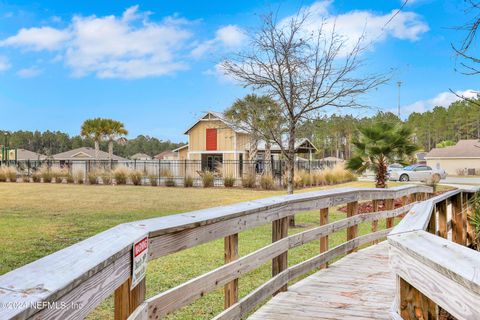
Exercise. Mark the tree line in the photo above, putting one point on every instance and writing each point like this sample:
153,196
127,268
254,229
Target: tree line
53,142
439,127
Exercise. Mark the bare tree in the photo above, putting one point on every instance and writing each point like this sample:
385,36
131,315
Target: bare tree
468,62
303,70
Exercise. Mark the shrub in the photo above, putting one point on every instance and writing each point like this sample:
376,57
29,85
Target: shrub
318,178
92,177
3,175
297,181
266,182
25,179
36,177
121,174
170,182
58,174
153,180
136,177
229,181
80,177
165,172
207,179
305,178
188,182
10,173
46,174
106,177
70,178
248,180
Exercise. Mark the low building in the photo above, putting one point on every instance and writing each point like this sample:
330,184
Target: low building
460,159
217,144
166,155
141,156
27,155
85,153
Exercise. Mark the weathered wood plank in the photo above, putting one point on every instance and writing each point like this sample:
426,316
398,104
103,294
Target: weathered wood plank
389,205
414,305
126,300
231,254
324,239
448,294
375,204
352,210
280,263
442,218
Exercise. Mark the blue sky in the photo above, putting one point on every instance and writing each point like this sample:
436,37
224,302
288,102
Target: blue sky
152,64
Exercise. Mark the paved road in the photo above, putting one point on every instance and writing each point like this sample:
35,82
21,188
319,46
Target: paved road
462,180
448,180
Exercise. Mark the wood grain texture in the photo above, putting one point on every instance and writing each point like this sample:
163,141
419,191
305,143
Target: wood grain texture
280,263
231,254
127,300
442,218
358,286
324,239
448,294
414,305
352,210
389,205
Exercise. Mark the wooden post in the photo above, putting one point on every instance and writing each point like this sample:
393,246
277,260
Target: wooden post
414,305
432,224
231,254
126,300
470,231
442,219
389,205
457,220
352,232
280,263
375,204
324,240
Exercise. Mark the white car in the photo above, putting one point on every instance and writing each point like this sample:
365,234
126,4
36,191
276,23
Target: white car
417,172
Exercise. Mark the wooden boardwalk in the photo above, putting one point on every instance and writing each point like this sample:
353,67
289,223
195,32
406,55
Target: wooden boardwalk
358,286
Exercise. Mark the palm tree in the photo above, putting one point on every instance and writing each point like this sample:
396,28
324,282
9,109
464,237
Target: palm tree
113,129
377,146
94,128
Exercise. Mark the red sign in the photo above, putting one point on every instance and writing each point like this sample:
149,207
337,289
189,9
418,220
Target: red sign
140,246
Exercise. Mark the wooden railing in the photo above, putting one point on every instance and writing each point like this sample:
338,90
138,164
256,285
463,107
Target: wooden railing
87,273
436,271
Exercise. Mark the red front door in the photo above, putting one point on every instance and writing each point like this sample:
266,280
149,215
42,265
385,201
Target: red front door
211,139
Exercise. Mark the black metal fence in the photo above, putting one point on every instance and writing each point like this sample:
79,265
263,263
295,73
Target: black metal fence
176,170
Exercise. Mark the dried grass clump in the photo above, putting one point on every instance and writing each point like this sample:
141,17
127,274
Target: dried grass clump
153,180
229,181
106,177
121,175
11,173
46,174
188,182
249,180
79,177
208,178
93,177
58,174
136,177
267,182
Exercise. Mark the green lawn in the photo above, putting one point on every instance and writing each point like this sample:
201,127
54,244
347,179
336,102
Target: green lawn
38,219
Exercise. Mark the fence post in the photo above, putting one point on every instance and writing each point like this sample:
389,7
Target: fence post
457,220
231,254
389,205
375,204
352,232
442,219
126,300
280,263
324,240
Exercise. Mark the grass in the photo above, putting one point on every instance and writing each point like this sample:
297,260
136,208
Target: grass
38,219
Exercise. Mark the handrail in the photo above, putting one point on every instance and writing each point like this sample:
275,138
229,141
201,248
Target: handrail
91,270
429,256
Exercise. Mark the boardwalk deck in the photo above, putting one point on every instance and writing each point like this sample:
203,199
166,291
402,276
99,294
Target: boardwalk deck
358,286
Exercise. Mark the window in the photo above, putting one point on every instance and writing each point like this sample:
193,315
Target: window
211,137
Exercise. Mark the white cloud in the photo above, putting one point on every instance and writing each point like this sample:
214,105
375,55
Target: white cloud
218,72
129,46
36,39
373,27
443,99
29,72
227,38
4,64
